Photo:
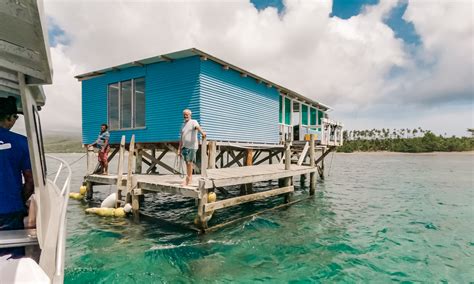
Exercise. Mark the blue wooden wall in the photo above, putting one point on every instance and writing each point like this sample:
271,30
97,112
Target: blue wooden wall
236,108
228,106
169,88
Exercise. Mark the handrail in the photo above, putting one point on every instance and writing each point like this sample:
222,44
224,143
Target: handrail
62,225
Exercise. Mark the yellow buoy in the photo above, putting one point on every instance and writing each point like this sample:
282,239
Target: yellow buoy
119,212
105,212
76,195
211,197
82,189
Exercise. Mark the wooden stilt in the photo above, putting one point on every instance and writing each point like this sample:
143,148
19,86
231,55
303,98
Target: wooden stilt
89,190
248,161
312,156
128,188
138,160
287,181
201,218
120,171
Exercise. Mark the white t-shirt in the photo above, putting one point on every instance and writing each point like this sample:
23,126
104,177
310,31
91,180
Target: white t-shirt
189,134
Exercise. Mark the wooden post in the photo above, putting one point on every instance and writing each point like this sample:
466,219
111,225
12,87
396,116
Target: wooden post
287,181
138,160
248,161
321,168
312,157
153,153
128,189
204,157
201,218
212,155
91,160
89,190
120,171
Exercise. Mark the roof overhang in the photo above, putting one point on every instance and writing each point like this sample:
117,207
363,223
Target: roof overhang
24,41
169,57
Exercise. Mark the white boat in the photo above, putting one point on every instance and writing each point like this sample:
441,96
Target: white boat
24,67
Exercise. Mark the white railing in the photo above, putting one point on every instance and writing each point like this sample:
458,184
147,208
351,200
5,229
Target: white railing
331,133
286,132
61,233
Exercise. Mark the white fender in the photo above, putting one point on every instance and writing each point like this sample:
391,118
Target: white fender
109,202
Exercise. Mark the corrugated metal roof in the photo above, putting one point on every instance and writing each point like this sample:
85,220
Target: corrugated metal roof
196,52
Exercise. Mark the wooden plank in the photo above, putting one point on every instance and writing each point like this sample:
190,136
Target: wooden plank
303,154
246,198
235,158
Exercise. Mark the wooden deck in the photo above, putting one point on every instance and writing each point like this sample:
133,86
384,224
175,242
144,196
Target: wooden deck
215,178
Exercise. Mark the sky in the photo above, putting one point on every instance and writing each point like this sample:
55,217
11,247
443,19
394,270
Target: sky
378,64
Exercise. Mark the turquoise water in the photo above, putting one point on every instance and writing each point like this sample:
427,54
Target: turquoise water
375,218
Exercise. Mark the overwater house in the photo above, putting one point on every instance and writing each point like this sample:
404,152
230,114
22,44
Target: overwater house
252,123
146,98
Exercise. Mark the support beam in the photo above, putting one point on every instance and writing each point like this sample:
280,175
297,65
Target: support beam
287,180
246,198
138,161
303,154
235,159
128,188
312,154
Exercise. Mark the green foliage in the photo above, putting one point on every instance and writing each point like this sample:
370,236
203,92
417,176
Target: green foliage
399,141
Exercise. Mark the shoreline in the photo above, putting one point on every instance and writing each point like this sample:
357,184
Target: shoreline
407,153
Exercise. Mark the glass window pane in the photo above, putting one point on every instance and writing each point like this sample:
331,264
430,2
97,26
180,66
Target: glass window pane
126,104
320,117
304,113
287,111
312,117
113,106
139,102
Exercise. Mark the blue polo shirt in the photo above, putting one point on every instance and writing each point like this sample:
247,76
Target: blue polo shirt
14,158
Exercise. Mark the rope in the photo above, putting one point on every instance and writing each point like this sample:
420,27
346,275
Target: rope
70,163
178,165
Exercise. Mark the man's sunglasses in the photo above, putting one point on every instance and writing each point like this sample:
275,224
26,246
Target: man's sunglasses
15,116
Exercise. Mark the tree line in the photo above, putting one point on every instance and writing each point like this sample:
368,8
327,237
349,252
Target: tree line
406,140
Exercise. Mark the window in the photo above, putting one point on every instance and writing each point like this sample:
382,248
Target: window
304,114
126,104
287,111
312,116
280,118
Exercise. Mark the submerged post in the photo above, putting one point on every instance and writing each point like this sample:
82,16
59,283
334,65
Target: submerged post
118,196
201,220
312,175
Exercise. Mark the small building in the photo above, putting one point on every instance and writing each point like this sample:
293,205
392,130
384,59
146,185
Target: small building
146,98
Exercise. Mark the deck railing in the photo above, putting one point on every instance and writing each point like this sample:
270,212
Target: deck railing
331,133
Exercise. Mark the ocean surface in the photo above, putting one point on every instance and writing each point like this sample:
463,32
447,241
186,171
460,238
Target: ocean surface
377,217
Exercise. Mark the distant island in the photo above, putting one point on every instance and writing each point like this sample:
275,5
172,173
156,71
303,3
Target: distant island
403,140
63,144
392,140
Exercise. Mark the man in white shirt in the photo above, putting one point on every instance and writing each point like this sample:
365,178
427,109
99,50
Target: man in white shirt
188,143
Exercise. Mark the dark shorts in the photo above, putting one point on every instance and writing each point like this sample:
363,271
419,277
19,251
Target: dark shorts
12,221
189,155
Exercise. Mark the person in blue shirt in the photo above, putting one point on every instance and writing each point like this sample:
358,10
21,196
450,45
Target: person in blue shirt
102,143
16,177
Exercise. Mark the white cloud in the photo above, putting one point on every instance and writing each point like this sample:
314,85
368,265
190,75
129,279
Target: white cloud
329,59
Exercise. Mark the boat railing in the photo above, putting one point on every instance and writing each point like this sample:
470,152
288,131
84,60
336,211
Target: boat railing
62,186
